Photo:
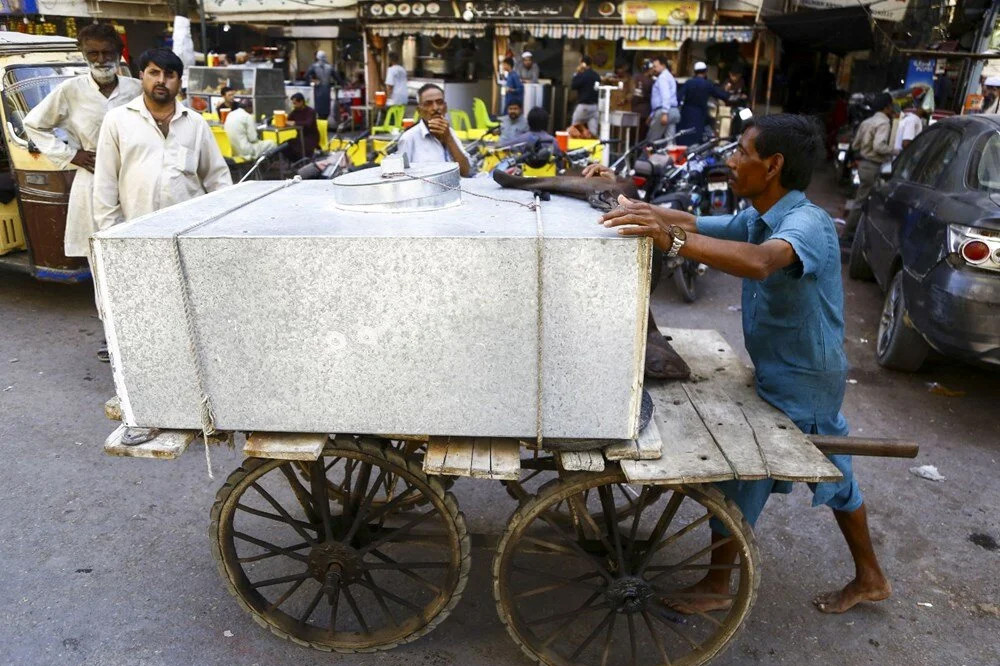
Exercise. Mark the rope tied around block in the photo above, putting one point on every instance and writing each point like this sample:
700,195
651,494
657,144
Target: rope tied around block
205,412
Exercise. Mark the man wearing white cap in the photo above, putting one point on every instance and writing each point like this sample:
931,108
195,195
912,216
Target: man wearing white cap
527,69
693,97
991,95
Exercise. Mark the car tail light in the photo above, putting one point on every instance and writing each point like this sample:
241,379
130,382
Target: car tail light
977,247
639,181
975,252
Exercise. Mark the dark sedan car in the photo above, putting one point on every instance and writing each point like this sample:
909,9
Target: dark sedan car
930,236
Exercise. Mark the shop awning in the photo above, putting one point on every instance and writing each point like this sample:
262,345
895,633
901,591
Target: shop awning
834,30
463,30
698,33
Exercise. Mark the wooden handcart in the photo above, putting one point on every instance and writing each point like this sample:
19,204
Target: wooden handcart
353,543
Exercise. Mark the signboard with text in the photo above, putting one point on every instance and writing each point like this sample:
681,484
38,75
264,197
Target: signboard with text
660,12
883,10
920,72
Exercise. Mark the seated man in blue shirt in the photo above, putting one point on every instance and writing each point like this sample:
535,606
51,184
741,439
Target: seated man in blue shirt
786,250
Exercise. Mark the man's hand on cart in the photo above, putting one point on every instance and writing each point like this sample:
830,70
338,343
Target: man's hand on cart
638,218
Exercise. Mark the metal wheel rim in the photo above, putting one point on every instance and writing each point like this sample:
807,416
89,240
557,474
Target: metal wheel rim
542,650
890,312
358,580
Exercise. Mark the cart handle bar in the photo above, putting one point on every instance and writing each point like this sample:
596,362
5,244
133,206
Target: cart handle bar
865,446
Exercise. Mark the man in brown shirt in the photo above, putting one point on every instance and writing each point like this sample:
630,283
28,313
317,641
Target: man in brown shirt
873,148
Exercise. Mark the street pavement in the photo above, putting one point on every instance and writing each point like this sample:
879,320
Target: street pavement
106,561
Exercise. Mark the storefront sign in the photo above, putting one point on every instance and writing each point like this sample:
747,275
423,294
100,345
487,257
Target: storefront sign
650,45
473,11
886,10
635,12
920,72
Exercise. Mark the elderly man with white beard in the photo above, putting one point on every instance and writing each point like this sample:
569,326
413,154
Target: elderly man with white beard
77,107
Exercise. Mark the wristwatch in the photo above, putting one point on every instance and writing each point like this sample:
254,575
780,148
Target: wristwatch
678,238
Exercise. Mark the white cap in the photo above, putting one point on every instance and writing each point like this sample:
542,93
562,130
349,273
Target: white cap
700,66
527,54
993,81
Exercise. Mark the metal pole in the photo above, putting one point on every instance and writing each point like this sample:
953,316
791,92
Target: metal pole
204,30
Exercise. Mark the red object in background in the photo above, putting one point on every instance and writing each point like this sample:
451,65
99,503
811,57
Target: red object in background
678,154
562,140
121,33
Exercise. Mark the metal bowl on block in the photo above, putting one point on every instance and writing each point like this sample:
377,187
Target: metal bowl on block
397,187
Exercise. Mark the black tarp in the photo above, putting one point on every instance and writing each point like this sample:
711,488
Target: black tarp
834,30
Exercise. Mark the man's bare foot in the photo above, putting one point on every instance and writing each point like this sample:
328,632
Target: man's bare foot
702,597
853,593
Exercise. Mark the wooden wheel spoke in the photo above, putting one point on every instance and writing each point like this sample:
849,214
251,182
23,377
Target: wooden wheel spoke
405,571
331,464
380,599
280,579
387,594
662,523
656,638
611,521
300,492
334,599
578,581
568,618
394,534
273,550
359,491
578,508
286,595
671,625
598,564
606,652
586,607
394,503
362,509
704,551
284,514
354,608
633,651
304,618
321,498
610,617
278,518
681,532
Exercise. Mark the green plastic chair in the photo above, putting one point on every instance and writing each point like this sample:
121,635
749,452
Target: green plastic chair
482,115
463,127
393,120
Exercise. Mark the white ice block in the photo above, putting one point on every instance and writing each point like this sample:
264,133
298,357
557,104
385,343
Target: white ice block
312,319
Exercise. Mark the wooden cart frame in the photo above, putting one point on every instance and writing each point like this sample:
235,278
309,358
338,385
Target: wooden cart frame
354,543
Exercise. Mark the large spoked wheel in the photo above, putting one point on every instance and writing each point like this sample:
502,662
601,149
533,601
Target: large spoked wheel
621,590
355,570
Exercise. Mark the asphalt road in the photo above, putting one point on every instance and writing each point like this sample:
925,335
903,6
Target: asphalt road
106,561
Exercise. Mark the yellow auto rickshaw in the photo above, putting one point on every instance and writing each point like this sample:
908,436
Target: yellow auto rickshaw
34,194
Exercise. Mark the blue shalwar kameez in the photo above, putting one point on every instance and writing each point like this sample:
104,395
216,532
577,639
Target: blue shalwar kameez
793,328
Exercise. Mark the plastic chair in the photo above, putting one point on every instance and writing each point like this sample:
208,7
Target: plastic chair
324,134
463,128
210,117
393,119
482,115
226,148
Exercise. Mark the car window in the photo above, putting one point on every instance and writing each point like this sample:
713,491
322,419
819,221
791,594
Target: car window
984,170
908,160
939,156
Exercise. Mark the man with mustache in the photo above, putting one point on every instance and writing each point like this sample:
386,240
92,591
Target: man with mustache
154,152
77,108
432,139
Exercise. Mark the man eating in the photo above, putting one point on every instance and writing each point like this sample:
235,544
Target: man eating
432,139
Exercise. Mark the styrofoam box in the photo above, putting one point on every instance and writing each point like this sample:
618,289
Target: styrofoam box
312,319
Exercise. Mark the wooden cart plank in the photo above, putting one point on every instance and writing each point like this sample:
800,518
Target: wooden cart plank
505,459
789,454
581,461
650,443
623,449
708,355
725,423
437,449
458,460
285,445
689,454
167,445
480,465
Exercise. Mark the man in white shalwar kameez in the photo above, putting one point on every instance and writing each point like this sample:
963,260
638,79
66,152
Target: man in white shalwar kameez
77,107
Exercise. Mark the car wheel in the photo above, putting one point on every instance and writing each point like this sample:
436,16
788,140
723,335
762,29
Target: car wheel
899,345
857,265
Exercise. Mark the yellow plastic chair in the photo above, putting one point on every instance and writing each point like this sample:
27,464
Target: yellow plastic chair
463,127
324,137
226,148
393,118
210,117
482,115
594,145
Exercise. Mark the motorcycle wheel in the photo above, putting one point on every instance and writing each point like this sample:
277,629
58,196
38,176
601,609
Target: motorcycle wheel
684,277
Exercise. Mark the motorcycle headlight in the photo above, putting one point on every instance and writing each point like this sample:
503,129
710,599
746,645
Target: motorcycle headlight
842,156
